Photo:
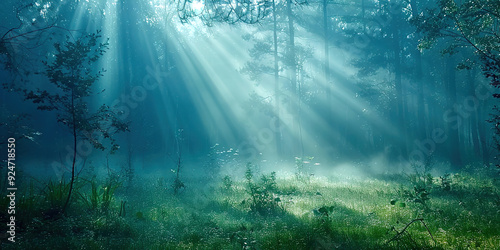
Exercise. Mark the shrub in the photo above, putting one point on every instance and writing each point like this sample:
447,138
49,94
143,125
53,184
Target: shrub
421,182
227,183
263,198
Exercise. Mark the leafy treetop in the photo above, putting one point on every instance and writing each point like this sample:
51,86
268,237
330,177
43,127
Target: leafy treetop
71,72
468,24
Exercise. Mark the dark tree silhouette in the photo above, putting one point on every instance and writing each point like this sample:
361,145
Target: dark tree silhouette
213,11
70,73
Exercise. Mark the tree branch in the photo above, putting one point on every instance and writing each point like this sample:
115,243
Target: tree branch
406,227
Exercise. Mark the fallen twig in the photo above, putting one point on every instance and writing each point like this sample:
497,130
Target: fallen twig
406,227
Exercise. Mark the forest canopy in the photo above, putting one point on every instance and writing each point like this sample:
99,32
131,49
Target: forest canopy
400,80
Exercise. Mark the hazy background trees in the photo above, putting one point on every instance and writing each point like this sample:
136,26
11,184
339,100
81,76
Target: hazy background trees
361,81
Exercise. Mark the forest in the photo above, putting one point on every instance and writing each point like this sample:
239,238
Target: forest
250,124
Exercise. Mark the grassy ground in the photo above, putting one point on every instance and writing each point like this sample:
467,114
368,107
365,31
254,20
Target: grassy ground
460,211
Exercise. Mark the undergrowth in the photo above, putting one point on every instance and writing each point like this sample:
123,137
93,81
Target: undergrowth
268,211
263,197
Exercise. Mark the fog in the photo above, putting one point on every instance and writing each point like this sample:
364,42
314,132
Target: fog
176,98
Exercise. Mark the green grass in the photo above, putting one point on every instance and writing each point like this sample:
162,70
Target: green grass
320,213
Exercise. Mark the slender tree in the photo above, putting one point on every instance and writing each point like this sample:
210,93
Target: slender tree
72,75
453,129
276,81
417,55
326,62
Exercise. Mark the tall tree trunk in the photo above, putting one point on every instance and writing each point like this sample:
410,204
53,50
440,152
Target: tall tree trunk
453,126
363,7
421,131
276,84
483,125
326,63
124,57
291,49
400,120
294,98
335,125
474,126
70,191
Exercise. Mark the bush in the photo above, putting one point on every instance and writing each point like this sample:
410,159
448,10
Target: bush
263,198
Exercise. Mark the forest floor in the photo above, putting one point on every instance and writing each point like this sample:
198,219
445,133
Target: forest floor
264,211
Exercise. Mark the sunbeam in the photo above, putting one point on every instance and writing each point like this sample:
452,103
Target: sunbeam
249,124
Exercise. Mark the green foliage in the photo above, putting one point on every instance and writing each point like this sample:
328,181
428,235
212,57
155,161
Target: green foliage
94,198
302,168
127,171
107,195
445,182
495,120
100,197
269,182
419,191
342,215
243,237
324,219
227,183
259,104
249,173
178,185
421,183
418,194
71,73
467,26
324,211
239,11
139,216
111,226
30,203
263,198
217,157
123,210
397,203
404,240
56,193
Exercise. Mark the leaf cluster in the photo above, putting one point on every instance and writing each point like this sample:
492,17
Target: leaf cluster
100,197
71,73
213,11
469,25
55,193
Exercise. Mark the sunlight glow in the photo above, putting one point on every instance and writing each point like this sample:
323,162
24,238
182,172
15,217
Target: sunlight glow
249,124
209,61
198,6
